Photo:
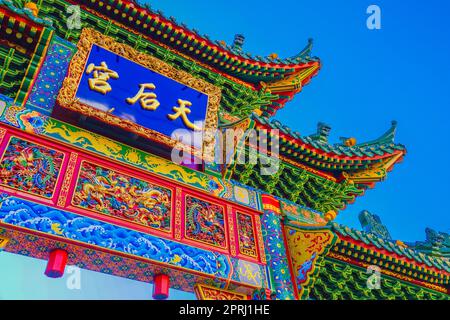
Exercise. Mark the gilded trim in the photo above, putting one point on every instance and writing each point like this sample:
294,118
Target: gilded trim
232,233
67,180
204,292
178,213
67,95
3,242
271,207
2,134
259,235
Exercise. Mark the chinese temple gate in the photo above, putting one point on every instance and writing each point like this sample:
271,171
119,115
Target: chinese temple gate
94,97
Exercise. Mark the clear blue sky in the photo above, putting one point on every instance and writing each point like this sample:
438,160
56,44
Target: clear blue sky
368,78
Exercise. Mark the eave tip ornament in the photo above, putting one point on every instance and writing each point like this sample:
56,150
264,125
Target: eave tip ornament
33,7
330,215
349,142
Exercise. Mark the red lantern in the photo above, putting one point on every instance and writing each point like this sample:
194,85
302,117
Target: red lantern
161,287
56,263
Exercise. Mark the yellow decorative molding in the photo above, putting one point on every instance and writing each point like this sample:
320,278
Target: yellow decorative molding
350,142
70,169
270,207
231,231
33,7
178,213
204,292
292,82
2,134
330,215
3,242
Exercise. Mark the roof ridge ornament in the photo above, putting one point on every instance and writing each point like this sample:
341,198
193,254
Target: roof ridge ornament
387,138
371,223
322,134
238,42
436,244
305,54
348,142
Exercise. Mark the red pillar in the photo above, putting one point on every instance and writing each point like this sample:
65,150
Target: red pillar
161,286
56,263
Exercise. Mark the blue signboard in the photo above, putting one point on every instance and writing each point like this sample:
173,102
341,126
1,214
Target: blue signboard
130,91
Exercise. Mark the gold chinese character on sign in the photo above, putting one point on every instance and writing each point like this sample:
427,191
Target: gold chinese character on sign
100,76
147,100
182,111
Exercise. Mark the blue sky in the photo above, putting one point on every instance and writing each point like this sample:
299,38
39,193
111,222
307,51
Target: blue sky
369,77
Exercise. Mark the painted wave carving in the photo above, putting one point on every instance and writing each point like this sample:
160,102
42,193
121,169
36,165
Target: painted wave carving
41,218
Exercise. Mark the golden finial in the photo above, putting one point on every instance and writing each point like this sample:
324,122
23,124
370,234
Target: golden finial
330,215
350,142
33,7
401,244
273,56
258,112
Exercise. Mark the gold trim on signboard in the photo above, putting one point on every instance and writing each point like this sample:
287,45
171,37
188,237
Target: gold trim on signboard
67,95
